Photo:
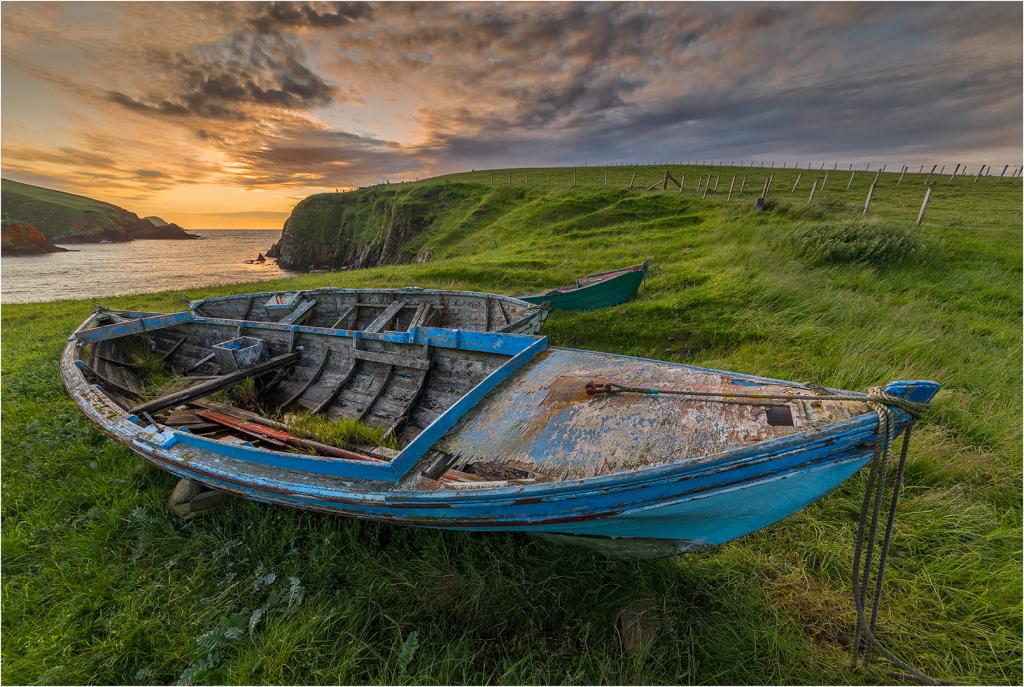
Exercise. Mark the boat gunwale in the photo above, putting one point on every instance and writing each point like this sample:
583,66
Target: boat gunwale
570,289
533,310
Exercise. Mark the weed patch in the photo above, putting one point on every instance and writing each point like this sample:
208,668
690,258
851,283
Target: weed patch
853,242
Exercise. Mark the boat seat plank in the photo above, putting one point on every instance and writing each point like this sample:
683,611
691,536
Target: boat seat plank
300,313
384,319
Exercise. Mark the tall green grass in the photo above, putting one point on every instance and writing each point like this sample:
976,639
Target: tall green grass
101,584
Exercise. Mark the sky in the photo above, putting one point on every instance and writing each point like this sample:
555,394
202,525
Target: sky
224,115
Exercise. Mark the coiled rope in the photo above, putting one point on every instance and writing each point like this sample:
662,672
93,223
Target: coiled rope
882,402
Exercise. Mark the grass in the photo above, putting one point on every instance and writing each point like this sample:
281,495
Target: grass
100,584
340,432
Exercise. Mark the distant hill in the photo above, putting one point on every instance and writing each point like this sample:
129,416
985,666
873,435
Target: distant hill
69,218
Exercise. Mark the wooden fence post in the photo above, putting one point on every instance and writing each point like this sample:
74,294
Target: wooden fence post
928,180
953,175
731,184
811,197
743,183
706,187
825,179
632,179
921,171
924,205
871,192
682,182
978,175
664,181
900,180
717,177
850,182
796,183
1003,173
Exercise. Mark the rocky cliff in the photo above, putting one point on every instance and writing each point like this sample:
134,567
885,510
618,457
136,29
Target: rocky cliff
69,218
19,238
365,228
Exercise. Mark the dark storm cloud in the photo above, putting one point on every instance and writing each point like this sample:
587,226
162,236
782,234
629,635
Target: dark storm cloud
223,79
276,15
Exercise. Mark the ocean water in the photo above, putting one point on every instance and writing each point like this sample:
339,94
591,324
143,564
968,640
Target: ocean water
113,269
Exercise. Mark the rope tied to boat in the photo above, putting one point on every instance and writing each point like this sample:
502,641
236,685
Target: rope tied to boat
882,403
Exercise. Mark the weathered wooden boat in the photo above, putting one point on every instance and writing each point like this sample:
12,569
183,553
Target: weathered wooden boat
492,431
595,291
380,309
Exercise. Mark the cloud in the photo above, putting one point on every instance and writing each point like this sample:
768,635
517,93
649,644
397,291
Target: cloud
317,95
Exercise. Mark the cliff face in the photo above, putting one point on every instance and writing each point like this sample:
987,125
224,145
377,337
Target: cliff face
365,228
18,238
68,218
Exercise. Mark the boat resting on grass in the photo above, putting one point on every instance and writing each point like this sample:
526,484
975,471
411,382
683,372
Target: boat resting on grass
380,309
595,291
491,431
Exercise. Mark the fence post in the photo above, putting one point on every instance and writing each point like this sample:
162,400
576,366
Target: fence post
928,180
825,179
900,180
850,182
632,179
796,183
924,205
978,175
664,181
1003,173
871,192
682,182
706,187
743,183
717,177
920,171
811,197
951,176
731,184
574,177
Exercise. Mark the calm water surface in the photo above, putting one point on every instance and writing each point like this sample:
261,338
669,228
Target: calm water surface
116,269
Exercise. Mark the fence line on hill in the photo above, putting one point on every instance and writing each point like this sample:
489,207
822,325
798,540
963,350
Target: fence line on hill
647,177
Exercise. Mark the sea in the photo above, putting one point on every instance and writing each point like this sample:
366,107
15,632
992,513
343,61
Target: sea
96,270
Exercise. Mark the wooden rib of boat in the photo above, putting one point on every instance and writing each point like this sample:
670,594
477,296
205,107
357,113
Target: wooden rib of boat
594,291
380,309
493,431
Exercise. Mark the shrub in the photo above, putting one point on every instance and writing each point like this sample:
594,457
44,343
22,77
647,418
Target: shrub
853,241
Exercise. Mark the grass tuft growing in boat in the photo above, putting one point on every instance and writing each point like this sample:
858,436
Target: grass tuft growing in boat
340,432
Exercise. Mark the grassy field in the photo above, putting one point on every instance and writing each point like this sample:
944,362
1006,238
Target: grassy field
101,584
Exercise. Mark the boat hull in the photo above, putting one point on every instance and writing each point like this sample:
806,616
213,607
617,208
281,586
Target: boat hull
603,294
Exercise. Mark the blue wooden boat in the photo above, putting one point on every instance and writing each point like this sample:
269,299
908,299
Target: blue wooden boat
594,291
380,309
494,431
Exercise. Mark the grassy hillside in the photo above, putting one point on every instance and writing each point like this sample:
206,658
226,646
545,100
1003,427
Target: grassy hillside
66,217
101,585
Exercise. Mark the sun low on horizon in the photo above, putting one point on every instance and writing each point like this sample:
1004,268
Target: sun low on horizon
225,115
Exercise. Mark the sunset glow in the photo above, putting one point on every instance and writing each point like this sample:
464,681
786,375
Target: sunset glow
217,115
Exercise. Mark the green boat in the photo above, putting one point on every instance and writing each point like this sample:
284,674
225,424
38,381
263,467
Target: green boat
595,291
